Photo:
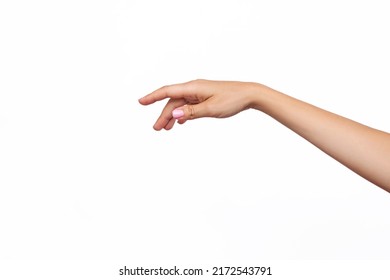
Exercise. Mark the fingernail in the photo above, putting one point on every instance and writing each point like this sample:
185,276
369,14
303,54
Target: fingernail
177,113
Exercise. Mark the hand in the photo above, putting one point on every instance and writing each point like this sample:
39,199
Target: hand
200,98
362,149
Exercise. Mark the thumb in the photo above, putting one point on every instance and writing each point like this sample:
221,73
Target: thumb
189,112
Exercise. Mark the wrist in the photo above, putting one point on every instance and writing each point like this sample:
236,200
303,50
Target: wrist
257,97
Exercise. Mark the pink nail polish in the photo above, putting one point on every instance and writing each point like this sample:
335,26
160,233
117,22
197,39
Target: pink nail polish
177,113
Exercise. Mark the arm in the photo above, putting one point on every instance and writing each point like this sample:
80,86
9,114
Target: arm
364,150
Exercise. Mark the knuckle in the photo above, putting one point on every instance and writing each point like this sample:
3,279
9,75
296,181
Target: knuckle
198,81
195,82
165,90
191,111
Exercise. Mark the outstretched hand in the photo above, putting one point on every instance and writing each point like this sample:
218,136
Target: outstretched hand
200,98
333,134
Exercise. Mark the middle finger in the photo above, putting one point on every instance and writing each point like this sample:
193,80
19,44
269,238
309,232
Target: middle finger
166,114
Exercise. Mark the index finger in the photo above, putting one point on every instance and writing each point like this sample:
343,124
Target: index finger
175,91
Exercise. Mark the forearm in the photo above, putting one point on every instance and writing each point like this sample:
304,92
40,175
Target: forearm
364,150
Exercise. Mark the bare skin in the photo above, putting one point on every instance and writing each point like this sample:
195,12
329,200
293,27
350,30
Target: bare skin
363,149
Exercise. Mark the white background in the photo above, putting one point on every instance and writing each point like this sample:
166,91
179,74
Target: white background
83,176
